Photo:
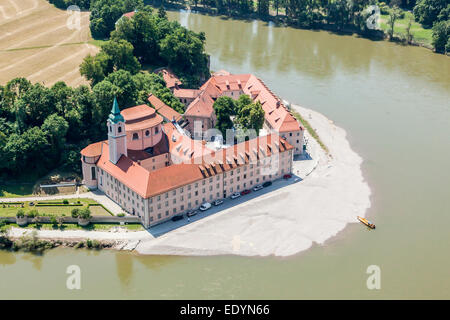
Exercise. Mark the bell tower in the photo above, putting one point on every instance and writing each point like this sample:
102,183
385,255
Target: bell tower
117,137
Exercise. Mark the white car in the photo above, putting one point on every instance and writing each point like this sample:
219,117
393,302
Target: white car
258,187
235,195
205,206
218,202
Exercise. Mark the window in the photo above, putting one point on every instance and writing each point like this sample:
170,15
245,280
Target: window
110,129
135,136
147,133
84,158
93,173
119,129
156,130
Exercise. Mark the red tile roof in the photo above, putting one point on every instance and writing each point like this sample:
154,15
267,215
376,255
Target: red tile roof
186,93
276,113
163,109
170,78
92,150
202,106
137,112
129,14
140,117
150,183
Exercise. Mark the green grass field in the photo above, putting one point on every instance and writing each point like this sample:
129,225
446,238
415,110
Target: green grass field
10,210
419,33
16,190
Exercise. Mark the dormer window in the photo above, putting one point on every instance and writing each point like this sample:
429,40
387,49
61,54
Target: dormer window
135,136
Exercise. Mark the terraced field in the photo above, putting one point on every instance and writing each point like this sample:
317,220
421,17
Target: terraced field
37,42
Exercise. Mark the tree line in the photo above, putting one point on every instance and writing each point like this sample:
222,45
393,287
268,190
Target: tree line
148,39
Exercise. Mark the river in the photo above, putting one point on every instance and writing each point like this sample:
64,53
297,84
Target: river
394,103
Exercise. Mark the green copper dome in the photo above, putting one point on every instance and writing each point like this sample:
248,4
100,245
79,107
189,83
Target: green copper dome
115,115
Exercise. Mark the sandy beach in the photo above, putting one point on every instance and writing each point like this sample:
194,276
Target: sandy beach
282,222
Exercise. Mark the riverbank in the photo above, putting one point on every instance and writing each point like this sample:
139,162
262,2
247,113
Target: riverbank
283,221
420,37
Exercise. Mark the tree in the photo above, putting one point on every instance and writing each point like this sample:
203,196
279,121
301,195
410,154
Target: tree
251,116
142,33
409,36
162,14
394,14
224,107
105,14
441,36
56,128
85,214
427,12
114,55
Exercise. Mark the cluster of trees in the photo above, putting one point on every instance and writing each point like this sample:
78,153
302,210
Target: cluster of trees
435,14
149,39
64,4
246,113
301,13
42,128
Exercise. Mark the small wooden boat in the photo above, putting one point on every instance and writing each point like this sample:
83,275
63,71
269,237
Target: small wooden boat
366,222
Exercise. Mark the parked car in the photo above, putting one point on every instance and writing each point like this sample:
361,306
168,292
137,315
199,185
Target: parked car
258,187
267,183
176,218
246,191
205,206
235,195
287,176
191,213
218,202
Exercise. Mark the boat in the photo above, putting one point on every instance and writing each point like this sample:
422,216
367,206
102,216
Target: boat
366,222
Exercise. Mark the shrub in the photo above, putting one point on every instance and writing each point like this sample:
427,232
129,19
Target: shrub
85,214
65,201
121,215
20,213
53,220
75,213
32,213
441,36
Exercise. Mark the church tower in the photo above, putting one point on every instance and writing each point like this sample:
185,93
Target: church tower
117,137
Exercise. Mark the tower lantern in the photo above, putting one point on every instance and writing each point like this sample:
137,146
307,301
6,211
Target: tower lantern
117,138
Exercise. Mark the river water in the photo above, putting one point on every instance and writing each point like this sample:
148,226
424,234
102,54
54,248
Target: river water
394,103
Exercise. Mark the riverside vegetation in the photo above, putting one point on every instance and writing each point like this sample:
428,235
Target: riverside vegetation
42,128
